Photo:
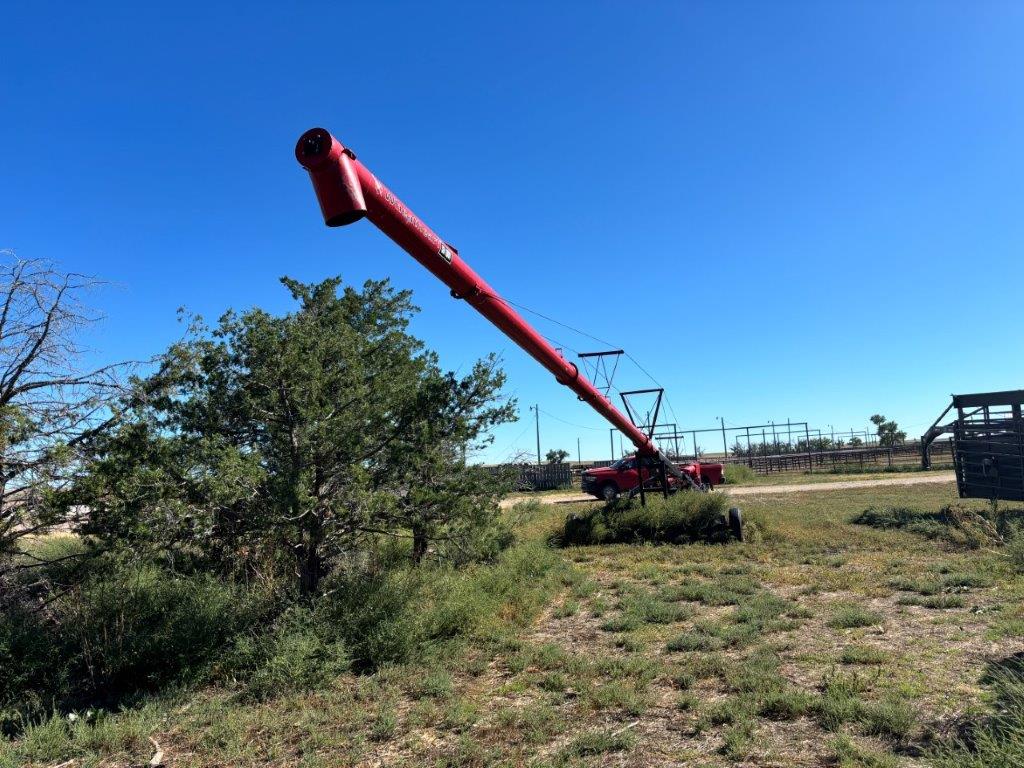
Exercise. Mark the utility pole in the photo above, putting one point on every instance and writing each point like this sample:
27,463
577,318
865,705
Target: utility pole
810,456
725,446
579,456
611,442
536,414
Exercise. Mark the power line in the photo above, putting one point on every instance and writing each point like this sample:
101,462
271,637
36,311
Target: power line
551,320
571,424
583,333
511,445
668,401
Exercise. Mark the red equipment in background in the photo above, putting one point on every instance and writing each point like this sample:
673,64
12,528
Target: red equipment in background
347,192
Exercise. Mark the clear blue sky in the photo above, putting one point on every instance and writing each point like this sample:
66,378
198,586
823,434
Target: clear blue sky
771,205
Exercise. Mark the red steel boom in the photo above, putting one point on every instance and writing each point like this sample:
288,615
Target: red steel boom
347,192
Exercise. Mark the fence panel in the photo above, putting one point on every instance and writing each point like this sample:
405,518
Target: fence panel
548,477
542,477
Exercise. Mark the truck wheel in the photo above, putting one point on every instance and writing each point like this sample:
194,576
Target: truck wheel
736,523
609,492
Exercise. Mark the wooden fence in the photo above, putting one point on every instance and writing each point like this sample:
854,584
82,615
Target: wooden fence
539,477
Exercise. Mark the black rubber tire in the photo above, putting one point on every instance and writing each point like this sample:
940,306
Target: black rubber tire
736,523
609,492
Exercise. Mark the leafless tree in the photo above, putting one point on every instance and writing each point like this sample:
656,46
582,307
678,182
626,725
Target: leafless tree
49,402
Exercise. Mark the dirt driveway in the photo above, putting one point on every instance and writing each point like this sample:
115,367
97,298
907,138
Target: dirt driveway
756,490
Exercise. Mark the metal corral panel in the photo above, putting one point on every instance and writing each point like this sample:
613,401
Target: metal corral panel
988,445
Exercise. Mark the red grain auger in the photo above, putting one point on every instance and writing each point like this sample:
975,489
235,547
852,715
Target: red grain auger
348,191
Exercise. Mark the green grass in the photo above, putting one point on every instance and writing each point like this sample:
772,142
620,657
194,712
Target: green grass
936,602
864,654
740,474
596,743
755,652
851,616
848,755
787,704
958,524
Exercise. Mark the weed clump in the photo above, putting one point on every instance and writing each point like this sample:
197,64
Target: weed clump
937,602
849,755
682,518
850,616
891,717
739,474
1015,552
863,654
128,629
596,743
785,704
125,629
997,738
956,524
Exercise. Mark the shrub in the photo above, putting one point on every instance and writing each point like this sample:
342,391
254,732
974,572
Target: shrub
295,654
30,657
684,517
374,614
128,628
131,628
398,615
141,627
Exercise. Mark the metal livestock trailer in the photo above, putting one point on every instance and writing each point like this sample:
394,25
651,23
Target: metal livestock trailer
988,444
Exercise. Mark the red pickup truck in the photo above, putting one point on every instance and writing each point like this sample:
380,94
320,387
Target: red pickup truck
608,482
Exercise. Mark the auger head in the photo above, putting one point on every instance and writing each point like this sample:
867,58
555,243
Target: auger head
332,170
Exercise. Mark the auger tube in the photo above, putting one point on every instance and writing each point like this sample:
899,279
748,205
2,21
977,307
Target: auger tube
348,192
